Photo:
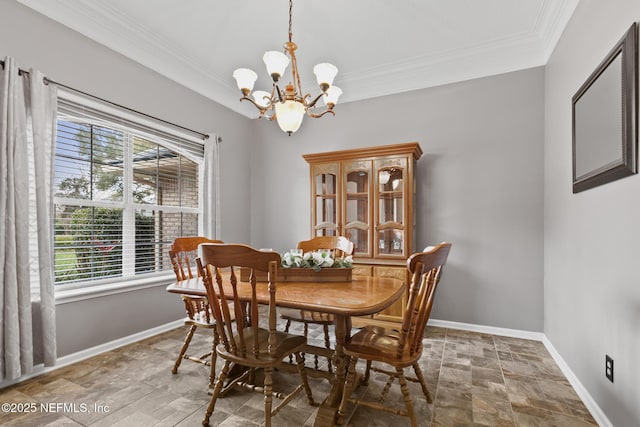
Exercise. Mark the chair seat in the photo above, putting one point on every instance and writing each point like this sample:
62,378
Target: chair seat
200,320
380,344
284,344
307,316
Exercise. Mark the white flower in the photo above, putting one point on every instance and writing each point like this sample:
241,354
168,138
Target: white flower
287,260
315,260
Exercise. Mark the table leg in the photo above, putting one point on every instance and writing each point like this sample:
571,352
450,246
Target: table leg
329,408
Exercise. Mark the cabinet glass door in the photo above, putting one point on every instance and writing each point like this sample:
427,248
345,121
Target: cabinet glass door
390,231
325,183
357,213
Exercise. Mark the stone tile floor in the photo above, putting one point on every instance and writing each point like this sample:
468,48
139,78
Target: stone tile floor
475,379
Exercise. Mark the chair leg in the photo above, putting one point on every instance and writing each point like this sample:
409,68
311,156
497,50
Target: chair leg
303,377
268,398
327,344
216,392
286,329
214,359
349,385
407,397
183,350
367,373
423,384
386,389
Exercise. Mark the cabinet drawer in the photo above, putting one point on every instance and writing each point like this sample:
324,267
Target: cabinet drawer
362,270
393,272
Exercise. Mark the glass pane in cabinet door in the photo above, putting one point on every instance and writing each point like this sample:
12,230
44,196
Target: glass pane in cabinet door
357,204
325,184
391,208
327,232
359,239
358,182
325,210
357,209
390,241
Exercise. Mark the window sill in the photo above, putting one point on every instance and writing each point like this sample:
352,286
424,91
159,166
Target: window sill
97,291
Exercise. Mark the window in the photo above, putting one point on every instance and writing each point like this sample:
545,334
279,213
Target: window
123,191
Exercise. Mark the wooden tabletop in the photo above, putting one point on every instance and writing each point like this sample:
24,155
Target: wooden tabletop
361,296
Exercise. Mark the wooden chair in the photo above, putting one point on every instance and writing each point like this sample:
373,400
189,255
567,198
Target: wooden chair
398,349
183,254
341,247
248,344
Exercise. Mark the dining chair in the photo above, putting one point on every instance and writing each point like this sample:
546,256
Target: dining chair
247,342
398,348
183,254
341,247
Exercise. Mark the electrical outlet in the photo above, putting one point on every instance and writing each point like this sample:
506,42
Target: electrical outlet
608,367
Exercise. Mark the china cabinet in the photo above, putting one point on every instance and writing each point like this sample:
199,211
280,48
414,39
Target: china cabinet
367,195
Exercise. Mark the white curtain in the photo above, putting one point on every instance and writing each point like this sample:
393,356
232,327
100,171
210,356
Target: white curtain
27,132
211,202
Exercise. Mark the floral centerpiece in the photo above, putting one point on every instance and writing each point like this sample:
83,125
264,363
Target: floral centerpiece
315,260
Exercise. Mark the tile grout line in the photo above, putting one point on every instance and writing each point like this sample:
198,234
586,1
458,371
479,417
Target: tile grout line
504,380
435,393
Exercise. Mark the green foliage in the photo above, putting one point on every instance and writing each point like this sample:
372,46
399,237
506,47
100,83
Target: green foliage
75,187
63,240
96,238
97,235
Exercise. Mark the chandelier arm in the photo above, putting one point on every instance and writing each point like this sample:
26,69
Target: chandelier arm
317,116
259,107
315,100
277,89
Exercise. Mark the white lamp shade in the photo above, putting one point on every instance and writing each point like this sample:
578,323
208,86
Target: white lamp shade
276,62
245,78
325,73
261,97
289,115
332,95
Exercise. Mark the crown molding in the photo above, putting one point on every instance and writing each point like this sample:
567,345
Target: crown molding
101,22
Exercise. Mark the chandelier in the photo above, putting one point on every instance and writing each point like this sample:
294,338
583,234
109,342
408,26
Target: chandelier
288,106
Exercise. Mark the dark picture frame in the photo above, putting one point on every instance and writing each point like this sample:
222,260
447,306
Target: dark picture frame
605,118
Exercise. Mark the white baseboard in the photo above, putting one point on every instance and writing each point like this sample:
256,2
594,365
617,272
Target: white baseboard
584,395
94,351
504,332
582,392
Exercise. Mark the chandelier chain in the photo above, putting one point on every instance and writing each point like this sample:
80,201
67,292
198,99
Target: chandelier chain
290,9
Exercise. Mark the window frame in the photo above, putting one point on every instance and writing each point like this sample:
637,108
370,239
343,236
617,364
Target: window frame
129,280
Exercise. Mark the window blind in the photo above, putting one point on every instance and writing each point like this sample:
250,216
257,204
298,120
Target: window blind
124,189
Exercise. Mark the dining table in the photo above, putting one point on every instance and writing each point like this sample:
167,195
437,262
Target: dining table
361,296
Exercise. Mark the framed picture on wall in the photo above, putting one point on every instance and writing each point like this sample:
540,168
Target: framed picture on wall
605,118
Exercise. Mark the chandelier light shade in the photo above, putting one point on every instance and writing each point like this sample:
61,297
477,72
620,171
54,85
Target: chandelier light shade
288,106
245,78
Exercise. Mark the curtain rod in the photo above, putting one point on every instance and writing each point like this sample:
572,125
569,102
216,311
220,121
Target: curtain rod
47,80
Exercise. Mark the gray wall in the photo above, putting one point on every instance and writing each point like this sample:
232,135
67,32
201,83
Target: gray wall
592,290
480,186
72,59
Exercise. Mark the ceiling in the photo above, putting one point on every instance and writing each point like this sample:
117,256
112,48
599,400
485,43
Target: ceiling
380,47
